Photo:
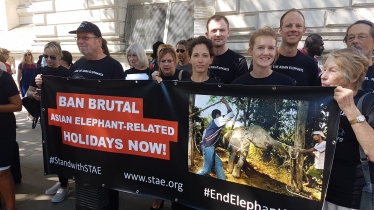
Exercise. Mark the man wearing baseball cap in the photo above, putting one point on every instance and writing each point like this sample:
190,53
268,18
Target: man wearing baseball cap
318,151
95,64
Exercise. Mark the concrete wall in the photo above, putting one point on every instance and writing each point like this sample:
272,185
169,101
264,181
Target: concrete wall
52,19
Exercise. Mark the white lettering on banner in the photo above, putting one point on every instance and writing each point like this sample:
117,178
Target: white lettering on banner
145,146
91,140
235,200
77,166
113,105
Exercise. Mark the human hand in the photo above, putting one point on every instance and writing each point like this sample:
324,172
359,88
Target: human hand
156,76
36,95
223,100
38,80
344,98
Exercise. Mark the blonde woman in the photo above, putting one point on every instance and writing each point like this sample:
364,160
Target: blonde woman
26,70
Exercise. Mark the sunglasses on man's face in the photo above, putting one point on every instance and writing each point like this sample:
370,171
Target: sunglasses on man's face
50,56
180,50
28,54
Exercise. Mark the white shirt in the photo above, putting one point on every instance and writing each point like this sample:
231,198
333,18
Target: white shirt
319,159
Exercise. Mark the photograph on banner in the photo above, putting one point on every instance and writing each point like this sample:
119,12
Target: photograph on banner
259,143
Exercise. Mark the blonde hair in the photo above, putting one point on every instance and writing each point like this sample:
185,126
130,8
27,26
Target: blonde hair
265,31
4,51
55,48
353,62
23,61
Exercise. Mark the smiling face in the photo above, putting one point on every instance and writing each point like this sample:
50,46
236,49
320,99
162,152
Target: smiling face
263,52
200,59
218,32
292,28
332,74
167,65
90,46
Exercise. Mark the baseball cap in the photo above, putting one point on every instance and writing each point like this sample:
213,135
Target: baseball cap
320,133
86,26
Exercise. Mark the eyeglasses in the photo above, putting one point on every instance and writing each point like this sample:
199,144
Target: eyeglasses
85,38
50,56
361,37
28,54
180,51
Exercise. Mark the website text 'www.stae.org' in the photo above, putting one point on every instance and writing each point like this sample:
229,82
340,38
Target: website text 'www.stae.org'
154,180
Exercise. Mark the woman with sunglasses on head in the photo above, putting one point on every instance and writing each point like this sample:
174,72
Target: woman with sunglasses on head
167,58
52,55
138,61
26,70
263,48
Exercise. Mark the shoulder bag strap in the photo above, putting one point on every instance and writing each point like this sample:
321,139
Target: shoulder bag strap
180,75
363,158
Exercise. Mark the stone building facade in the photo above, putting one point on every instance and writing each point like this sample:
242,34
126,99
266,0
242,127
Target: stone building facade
29,24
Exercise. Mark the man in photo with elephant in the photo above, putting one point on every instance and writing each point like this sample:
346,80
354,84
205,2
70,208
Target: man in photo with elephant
210,138
318,151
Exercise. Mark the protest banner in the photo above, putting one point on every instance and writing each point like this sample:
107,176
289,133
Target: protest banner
143,137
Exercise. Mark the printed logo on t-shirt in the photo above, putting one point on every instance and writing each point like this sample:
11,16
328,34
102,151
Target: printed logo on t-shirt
288,67
219,68
340,137
88,72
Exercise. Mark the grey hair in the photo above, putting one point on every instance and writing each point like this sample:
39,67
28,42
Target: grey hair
140,52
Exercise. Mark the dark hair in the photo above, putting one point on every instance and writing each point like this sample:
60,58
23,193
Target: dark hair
366,22
200,40
217,18
67,57
104,47
311,40
291,10
182,42
215,112
155,48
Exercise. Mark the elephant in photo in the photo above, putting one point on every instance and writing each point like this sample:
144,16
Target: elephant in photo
238,142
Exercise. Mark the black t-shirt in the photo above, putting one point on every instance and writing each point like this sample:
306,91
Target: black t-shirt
106,68
147,73
8,88
274,78
185,75
210,80
301,68
368,84
228,66
346,179
57,72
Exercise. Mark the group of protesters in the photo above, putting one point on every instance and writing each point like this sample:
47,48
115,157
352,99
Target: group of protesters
207,59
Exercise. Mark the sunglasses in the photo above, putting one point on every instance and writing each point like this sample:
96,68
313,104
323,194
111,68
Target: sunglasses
28,54
180,51
50,56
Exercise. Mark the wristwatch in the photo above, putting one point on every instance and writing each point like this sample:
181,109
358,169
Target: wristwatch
359,119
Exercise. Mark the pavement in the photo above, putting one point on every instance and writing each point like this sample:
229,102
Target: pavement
30,194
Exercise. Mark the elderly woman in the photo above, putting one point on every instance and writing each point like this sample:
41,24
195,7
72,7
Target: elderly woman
138,61
167,58
346,69
52,55
10,102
